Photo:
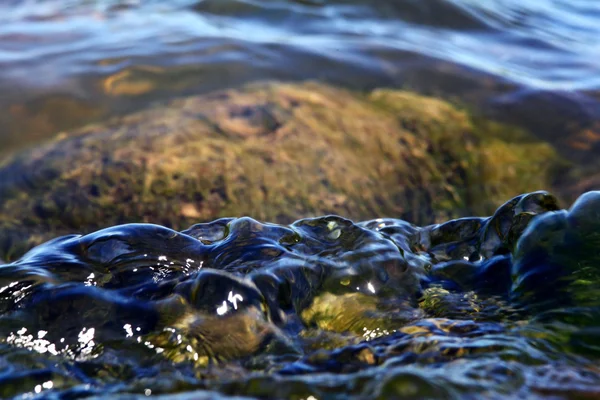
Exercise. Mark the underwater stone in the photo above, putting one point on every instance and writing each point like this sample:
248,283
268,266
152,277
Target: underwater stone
277,152
557,259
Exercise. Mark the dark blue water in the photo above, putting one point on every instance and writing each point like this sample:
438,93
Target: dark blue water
502,307
64,63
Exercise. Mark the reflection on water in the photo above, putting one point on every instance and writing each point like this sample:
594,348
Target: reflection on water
498,307
65,63
377,309
544,44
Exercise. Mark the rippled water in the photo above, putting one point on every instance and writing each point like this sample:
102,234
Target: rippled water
324,308
544,44
64,63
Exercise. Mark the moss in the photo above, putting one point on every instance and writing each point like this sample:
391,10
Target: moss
353,312
273,151
356,314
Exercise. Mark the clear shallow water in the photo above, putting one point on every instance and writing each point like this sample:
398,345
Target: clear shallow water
323,308
64,63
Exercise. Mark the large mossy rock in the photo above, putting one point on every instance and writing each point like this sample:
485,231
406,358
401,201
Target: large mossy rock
274,151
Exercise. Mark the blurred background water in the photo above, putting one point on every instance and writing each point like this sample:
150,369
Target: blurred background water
64,63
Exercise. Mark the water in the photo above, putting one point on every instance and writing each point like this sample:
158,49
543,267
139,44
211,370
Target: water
65,63
542,44
323,308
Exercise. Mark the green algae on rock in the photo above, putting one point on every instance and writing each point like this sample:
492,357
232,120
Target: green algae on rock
274,151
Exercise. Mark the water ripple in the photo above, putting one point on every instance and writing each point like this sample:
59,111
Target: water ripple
475,50
321,308
512,39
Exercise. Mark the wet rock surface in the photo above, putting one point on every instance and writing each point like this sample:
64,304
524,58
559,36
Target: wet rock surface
277,152
498,307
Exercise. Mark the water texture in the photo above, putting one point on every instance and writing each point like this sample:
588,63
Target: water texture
65,63
328,307
324,308
543,44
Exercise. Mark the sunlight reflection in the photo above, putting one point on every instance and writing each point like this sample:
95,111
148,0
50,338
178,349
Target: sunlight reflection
20,294
233,299
46,385
39,345
222,309
86,339
12,284
90,280
371,287
127,328
370,334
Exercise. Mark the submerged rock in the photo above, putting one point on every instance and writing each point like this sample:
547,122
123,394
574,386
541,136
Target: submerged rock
500,307
557,260
277,152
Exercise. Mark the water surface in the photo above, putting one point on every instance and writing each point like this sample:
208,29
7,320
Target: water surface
323,308
65,63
